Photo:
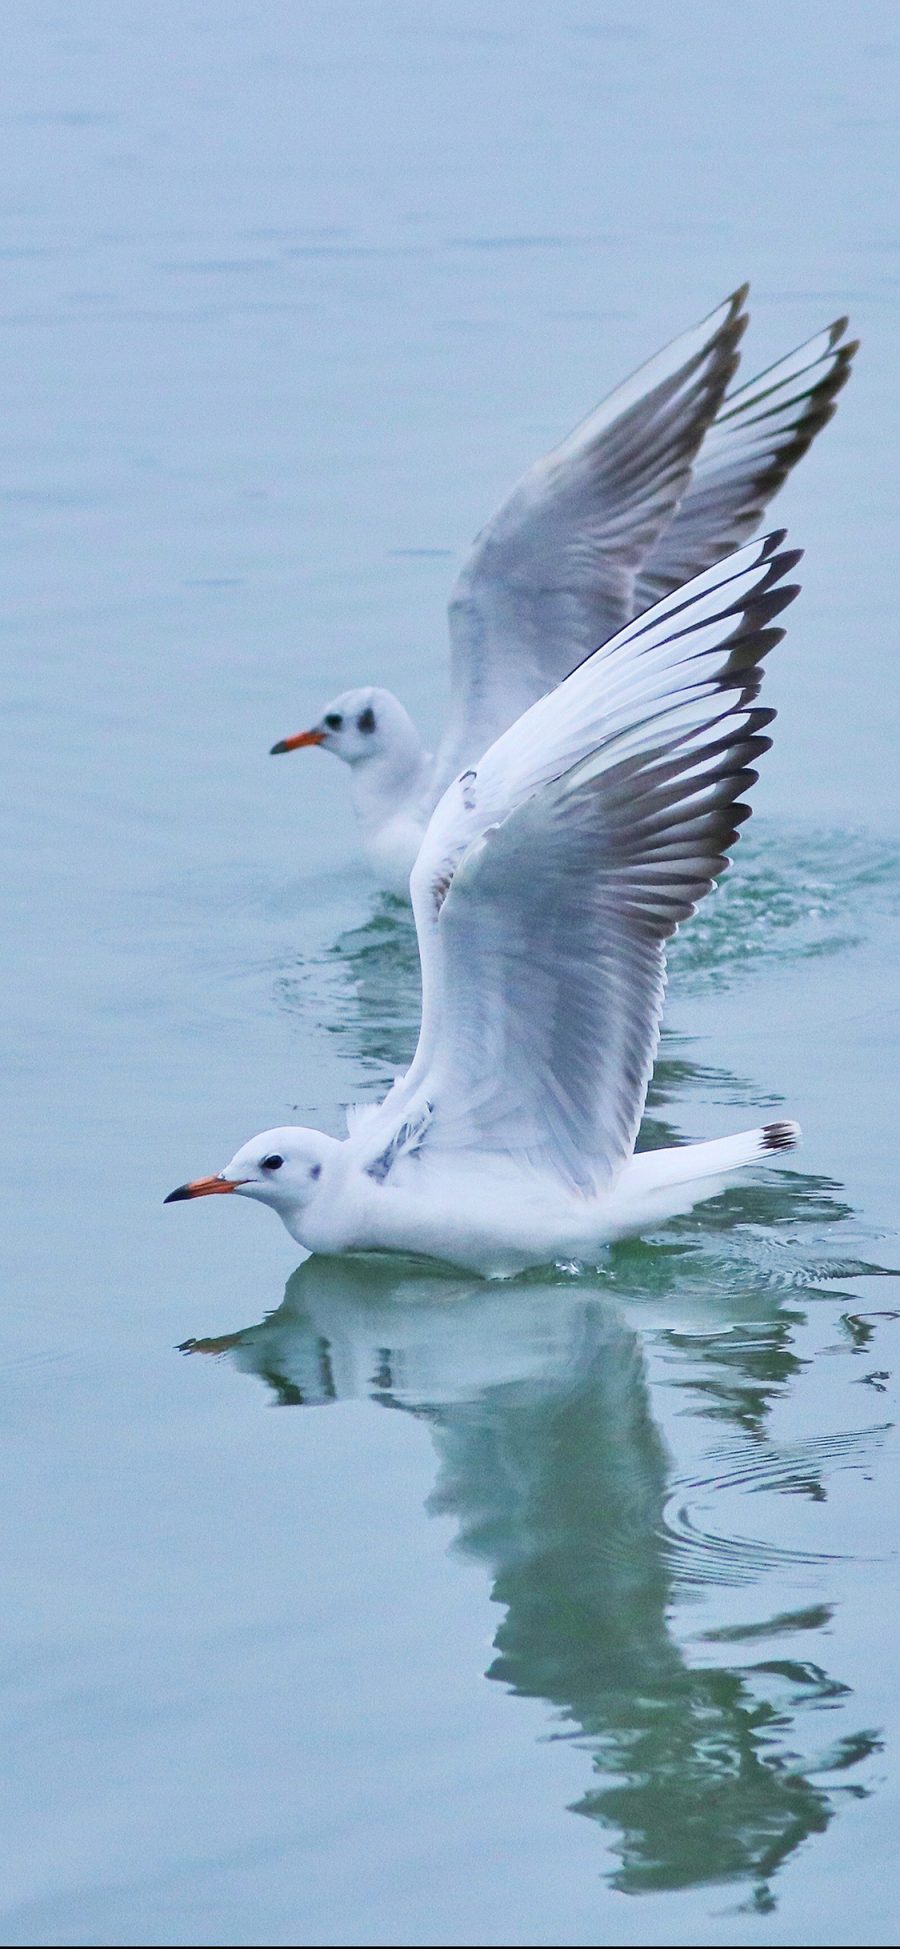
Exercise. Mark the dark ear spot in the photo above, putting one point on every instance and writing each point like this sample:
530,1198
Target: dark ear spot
366,719
315,1171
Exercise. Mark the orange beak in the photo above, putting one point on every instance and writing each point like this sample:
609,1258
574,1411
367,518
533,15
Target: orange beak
294,744
203,1188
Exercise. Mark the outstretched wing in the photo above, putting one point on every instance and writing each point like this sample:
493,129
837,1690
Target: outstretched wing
553,573
758,435
550,880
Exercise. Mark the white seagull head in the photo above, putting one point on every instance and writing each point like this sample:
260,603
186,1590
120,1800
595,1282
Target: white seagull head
282,1168
360,725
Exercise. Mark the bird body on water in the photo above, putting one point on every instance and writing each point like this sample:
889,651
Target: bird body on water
550,878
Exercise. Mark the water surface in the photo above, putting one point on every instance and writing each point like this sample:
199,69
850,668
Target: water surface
557,1610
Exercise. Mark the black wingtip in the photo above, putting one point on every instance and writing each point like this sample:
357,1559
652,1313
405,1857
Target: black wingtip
781,561
781,1136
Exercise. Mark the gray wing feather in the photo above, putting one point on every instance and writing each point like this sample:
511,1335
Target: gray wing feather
757,437
554,572
544,958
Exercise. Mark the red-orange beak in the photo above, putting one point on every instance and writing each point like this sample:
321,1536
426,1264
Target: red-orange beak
203,1188
294,744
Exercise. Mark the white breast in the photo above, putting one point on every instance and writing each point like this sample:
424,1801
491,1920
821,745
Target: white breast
391,849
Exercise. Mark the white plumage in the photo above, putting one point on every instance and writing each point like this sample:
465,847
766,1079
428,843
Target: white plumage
550,878
656,484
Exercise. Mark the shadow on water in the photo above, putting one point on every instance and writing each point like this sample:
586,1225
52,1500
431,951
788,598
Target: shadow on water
707,1758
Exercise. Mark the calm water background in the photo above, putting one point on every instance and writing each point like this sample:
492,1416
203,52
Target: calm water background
593,1637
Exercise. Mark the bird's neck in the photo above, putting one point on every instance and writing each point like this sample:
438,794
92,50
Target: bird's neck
390,782
338,1216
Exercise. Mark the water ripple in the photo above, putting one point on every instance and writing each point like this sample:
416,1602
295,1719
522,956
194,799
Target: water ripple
790,897
700,1554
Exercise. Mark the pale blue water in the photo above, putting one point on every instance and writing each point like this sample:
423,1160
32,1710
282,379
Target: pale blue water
570,1613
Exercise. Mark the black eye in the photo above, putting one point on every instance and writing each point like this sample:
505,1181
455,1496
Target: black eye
366,719
272,1163
315,1171
333,720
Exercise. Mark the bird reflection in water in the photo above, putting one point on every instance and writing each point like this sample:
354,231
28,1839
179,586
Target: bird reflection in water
706,1762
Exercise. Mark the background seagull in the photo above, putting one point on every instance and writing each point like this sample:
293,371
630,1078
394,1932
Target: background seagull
548,883
656,484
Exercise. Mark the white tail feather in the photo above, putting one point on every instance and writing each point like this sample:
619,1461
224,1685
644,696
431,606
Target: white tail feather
654,1169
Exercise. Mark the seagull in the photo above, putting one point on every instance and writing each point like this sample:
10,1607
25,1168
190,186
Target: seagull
549,880
657,483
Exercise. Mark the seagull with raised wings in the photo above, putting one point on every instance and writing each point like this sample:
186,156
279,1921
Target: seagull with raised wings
658,483
549,880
